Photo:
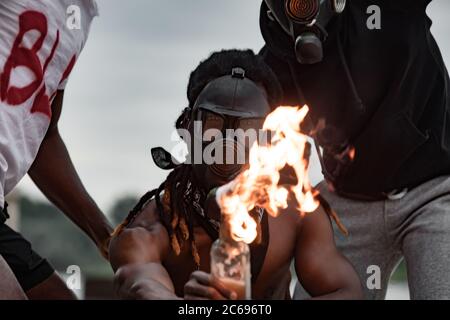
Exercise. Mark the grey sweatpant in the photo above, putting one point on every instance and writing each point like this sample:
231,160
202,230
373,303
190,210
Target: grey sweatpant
416,227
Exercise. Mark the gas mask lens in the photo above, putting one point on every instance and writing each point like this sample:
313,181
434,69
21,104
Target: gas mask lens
251,124
302,11
214,121
306,11
233,132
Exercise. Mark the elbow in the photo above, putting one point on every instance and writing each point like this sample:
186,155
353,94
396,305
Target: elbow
355,288
130,283
353,291
122,276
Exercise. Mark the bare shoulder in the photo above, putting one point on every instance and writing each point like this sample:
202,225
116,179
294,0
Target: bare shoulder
148,218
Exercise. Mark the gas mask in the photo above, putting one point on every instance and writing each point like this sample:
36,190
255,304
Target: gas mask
221,117
306,21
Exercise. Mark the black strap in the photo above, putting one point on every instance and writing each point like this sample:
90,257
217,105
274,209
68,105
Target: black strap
258,251
163,159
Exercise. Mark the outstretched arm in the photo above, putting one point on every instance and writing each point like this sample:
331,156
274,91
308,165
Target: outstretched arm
55,175
321,269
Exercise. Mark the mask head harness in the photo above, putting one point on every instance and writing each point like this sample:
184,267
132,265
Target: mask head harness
305,21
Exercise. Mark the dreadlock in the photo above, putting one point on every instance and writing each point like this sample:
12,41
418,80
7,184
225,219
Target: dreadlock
178,203
177,208
178,198
174,201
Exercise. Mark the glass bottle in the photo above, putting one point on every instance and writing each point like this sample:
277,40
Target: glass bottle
230,262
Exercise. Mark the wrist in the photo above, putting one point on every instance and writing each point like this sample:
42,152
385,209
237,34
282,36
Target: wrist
97,226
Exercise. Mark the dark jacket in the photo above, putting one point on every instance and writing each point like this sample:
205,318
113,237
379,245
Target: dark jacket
384,92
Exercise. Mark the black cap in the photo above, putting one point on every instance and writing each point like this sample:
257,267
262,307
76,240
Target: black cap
234,95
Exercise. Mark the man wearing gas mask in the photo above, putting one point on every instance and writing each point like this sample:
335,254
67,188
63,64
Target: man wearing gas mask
379,108
162,250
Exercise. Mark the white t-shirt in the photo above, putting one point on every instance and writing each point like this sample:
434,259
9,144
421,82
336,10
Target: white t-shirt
40,41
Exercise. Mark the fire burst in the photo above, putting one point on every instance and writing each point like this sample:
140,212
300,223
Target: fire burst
259,184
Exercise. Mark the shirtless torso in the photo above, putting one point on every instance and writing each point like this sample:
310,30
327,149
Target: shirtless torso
147,267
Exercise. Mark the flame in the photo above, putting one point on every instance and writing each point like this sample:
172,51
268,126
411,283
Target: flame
351,153
258,185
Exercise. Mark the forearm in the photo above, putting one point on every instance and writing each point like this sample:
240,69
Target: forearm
55,175
144,282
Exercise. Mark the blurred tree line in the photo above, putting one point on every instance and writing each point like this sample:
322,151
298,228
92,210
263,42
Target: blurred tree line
57,239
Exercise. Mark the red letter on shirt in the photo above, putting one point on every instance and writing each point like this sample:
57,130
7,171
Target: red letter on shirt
20,56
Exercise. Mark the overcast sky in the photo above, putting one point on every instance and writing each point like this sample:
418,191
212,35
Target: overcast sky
129,84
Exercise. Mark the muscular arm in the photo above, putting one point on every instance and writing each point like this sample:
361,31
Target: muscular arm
9,287
321,269
55,175
136,256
